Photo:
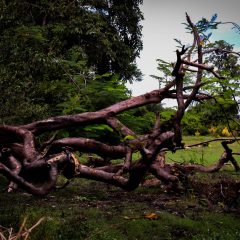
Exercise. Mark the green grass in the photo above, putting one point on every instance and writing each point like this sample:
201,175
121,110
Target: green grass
94,211
201,155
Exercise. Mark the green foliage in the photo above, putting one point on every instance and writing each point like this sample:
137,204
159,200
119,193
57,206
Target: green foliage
167,113
166,71
94,94
99,131
227,90
129,137
203,116
139,120
50,52
192,123
199,118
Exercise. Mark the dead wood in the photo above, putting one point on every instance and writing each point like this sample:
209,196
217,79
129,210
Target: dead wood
35,167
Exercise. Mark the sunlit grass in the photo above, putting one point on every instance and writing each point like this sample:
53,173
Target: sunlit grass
202,155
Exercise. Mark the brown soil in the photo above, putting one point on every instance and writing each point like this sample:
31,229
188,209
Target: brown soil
200,195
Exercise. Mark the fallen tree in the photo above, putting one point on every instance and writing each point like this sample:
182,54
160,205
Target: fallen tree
35,167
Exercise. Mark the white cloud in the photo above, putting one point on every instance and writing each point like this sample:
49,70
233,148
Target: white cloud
163,23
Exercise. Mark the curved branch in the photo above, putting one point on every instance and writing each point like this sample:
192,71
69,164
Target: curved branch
53,173
162,171
225,157
26,137
89,145
120,127
39,127
179,74
200,168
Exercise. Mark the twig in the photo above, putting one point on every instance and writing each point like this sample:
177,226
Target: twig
34,226
221,189
19,234
23,232
212,140
203,67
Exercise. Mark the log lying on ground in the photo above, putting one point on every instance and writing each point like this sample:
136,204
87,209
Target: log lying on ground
35,167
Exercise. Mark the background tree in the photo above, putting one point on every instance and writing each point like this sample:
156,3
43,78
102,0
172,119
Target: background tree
223,108
51,51
221,111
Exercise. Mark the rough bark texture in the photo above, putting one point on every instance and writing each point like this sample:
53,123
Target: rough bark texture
35,167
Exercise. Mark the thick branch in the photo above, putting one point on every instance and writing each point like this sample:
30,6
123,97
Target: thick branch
118,126
161,171
89,145
60,122
25,136
177,72
28,186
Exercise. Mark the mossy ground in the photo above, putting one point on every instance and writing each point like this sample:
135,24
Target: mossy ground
208,209
90,210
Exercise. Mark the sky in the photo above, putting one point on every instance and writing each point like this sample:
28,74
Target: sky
162,24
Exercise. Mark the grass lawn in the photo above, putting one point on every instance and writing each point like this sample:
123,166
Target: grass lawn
201,155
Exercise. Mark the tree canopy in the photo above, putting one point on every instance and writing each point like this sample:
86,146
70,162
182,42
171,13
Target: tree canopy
222,109
51,51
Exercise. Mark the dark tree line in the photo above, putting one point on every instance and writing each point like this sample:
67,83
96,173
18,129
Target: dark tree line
57,53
